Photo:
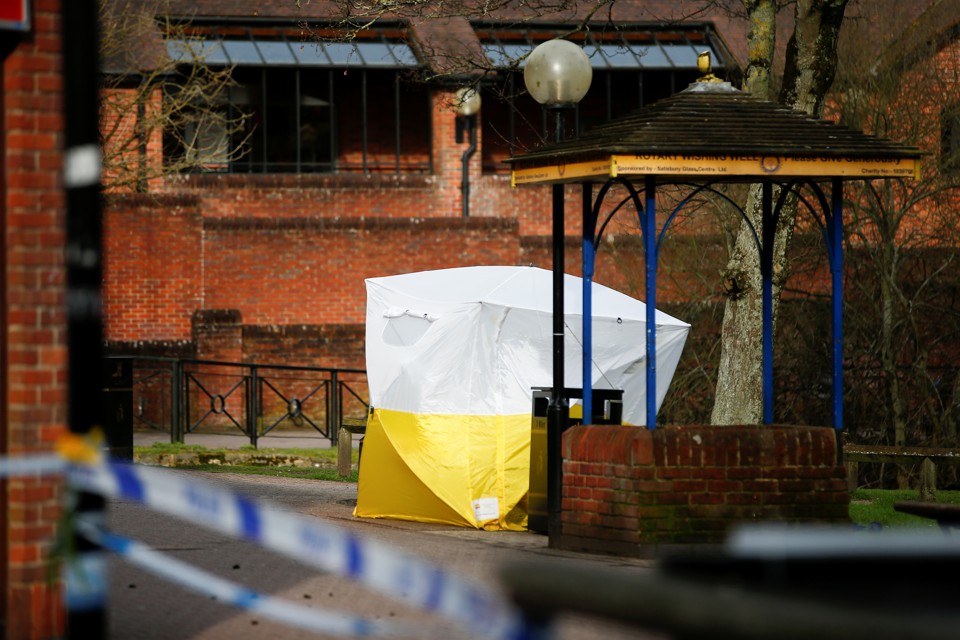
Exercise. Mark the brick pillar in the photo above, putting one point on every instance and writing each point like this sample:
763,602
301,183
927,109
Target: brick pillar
633,491
34,355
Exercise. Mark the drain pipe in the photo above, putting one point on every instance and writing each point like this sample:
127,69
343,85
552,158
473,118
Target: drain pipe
471,125
467,104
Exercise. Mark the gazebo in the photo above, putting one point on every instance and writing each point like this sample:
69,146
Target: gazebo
708,134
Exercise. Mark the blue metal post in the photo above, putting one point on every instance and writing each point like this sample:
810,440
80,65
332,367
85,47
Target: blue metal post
835,232
589,259
649,222
766,273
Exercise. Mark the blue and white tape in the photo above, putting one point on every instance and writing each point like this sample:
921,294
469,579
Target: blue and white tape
241,597
32,465
369,562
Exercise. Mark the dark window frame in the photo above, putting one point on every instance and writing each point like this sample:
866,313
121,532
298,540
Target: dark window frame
375,57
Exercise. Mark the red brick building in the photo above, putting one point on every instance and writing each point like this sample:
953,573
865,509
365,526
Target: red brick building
351,166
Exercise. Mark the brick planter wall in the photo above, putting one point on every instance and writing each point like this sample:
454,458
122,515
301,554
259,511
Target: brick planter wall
632,491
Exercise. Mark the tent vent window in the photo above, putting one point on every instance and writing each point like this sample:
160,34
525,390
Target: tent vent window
406,330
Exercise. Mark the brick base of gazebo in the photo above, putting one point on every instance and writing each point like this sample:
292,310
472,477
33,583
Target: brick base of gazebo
632,491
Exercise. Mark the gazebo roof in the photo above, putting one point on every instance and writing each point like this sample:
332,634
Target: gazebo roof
711,130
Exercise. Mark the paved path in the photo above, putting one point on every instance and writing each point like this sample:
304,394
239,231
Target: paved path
143,606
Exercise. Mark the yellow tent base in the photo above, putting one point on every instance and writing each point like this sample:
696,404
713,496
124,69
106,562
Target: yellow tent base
469,471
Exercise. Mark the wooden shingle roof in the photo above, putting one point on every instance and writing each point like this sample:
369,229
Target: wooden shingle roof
712,129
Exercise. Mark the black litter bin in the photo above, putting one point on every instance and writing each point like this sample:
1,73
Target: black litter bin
117,380
607,409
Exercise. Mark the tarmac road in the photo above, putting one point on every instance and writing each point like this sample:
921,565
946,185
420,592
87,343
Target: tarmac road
144,606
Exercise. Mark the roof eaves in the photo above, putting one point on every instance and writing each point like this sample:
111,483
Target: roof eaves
719,124
449,47
140,49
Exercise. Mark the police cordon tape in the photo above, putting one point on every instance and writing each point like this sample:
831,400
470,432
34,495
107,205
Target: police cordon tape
200,581
190,577
368,562
241,597
37,465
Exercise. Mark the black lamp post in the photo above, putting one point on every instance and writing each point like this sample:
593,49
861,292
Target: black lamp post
86,570
468,104
557,75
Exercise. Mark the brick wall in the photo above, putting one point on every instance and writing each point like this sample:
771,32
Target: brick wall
164,261
153,266
312,271
35,322
126,168
338,346
166,258
633,491
218,334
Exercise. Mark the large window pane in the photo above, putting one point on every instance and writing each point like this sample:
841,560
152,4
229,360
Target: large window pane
247,98
315,106
279,119
312,120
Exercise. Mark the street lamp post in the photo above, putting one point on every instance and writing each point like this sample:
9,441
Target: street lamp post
557,75
468,104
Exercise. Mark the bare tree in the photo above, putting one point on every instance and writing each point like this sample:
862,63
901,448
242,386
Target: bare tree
808,74
903,240
153,102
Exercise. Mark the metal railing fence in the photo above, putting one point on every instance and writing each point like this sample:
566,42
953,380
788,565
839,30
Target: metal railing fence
185,396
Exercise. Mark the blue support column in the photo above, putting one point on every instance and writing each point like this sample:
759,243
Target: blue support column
589,259
835,233
766,272
649,221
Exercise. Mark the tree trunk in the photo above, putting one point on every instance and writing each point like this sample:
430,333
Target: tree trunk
809,72
890,352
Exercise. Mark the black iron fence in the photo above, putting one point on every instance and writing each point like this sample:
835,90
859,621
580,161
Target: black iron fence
182,397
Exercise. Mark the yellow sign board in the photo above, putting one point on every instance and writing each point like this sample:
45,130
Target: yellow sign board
718,167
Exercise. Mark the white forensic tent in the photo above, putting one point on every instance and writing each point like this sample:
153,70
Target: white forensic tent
452,357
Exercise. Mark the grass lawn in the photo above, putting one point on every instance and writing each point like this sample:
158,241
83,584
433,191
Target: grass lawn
311,473
875,507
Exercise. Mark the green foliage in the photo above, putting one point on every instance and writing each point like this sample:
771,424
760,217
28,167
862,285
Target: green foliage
329,454
171,447
309,473
873,507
